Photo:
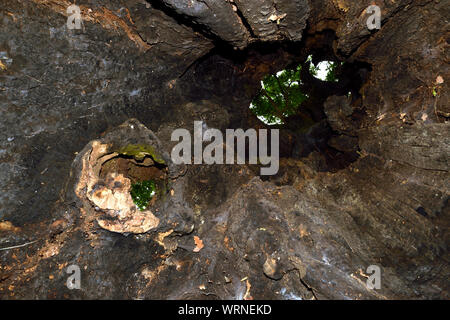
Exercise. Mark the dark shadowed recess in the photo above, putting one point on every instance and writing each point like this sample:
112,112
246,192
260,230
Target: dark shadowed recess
224,70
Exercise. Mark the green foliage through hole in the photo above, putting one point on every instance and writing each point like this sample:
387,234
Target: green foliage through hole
281,94
142,193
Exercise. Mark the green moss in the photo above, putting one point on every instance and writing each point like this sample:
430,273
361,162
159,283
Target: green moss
139,151
142,193
434,92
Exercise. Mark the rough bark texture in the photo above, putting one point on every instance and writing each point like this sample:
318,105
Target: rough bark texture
307,232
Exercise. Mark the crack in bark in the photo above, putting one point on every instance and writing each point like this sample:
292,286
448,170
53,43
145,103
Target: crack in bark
245,22
309,288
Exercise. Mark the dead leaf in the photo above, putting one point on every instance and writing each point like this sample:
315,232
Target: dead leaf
198,244
277,18
424,117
